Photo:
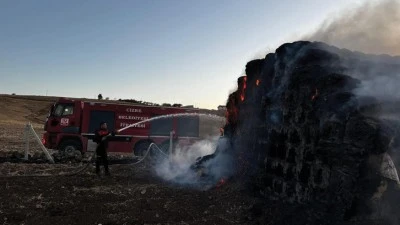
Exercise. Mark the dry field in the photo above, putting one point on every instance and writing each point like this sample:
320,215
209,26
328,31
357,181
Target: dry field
16,112
132,195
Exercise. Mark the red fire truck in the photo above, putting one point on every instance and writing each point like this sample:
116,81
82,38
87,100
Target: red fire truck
71,124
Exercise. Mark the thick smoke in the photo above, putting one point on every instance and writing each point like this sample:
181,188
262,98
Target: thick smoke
176,168
381,81
372,28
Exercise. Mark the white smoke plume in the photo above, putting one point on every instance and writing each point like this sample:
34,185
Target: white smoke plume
371,28
176,167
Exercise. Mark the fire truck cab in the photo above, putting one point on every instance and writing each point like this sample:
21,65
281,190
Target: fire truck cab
71,124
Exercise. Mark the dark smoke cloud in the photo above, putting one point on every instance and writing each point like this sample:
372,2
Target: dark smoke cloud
372,28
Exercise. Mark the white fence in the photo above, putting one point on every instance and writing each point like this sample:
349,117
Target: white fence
27,134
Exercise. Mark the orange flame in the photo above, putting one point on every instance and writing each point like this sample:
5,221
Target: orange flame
221,182
315,95
257,82
242,95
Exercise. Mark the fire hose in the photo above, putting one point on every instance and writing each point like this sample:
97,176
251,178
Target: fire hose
78,171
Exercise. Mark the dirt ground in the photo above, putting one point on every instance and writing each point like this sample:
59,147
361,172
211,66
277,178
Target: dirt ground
130,196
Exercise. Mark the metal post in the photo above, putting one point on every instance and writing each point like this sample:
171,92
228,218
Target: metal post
48,156
27,137
170,149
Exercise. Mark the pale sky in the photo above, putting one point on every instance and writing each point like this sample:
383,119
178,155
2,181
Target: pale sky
163,51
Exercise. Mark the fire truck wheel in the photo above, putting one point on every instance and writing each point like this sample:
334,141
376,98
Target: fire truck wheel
70,147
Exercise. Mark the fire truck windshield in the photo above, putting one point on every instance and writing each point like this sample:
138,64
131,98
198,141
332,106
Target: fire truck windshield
63,110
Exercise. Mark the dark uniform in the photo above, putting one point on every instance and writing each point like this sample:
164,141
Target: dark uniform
100,138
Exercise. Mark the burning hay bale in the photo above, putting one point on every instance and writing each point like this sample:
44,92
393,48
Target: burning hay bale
302,131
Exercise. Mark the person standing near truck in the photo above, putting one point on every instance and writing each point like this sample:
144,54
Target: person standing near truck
100,137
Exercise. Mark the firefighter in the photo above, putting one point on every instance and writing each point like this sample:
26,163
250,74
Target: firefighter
100,138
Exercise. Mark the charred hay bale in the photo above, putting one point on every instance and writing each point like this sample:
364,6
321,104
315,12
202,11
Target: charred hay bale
308,133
